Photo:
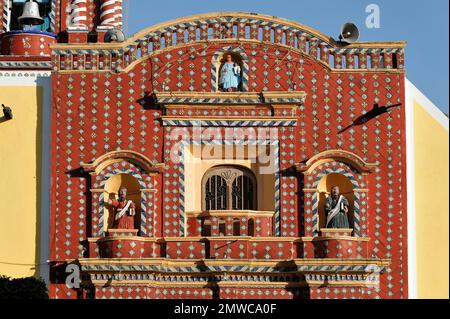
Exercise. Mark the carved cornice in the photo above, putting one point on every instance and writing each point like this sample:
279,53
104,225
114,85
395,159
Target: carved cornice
231,265
264,273
196,239
267,281
234,98
229,121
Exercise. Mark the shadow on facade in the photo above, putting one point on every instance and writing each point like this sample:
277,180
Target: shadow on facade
80,173
213,279
297,285
148,102
292,172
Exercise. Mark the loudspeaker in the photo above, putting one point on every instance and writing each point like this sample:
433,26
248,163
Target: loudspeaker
349,33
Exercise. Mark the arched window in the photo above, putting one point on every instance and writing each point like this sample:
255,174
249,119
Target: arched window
229,188
242,193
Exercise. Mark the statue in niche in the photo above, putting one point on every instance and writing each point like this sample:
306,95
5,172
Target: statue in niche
336,209
230,75
124,211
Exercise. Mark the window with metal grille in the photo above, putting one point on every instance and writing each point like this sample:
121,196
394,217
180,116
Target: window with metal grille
229,188
216,193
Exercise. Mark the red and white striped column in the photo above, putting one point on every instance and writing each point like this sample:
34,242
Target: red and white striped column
110,10
118,14
77,17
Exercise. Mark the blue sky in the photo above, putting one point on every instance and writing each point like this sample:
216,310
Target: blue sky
423,24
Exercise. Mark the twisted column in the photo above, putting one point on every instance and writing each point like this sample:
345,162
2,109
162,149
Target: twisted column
108,13
118,14
78,14
6,16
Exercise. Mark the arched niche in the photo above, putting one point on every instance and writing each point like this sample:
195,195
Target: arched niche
346,188
341,167
111,191
122,168
239,56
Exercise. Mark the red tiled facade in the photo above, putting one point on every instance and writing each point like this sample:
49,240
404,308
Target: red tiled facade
115,106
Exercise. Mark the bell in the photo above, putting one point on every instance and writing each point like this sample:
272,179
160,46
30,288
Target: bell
30,14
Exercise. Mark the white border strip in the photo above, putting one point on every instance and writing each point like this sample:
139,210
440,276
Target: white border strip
22,78
421,99
410,187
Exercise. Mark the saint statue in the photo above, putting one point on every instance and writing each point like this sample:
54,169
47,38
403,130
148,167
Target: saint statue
230,75
336,209
124,211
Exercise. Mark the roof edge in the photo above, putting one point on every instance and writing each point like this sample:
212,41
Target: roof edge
231,14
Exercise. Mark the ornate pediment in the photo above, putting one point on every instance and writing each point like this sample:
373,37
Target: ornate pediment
337,155
131,156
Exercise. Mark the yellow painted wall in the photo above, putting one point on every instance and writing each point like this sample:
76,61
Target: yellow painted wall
431,159
19,181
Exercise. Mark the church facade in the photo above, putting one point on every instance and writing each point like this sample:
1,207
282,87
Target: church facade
170,178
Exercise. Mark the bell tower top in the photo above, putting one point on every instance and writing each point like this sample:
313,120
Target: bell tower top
89,20
73,21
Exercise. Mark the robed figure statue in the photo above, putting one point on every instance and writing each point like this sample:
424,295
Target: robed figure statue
230,75
336,209
124,211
